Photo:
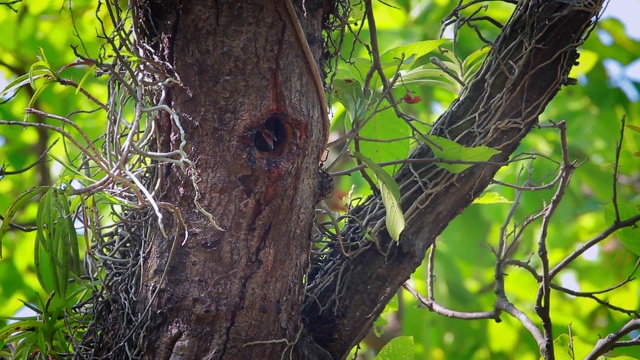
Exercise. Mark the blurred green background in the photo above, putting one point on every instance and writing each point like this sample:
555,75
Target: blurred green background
464,261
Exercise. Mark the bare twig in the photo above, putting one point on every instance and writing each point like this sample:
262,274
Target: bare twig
611,341
616,166
593,241
9,3
543,299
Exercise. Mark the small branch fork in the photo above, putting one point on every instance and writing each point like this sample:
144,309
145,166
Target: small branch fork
10,3
543,333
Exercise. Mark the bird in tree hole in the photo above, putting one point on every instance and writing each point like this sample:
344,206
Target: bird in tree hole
265,139
271,133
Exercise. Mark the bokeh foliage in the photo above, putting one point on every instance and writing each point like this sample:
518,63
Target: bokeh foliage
464,263
49,28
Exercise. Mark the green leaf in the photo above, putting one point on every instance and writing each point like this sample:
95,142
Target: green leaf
472,63
56,253
571,348
383,126
349,93
492,198
43,57
43,248
411,52
390,197
19,326
42,64
36,95
428,75
400,348
357,69
17,204
23,80
379,324
382,321
450,150
453,63
92,69
475,58
629,236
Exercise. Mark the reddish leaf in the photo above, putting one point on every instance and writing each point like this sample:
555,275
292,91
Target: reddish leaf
411,99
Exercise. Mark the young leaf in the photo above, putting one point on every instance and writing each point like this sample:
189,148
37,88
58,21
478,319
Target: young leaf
349,93
450,150
390,197
571,348
629,236
430,76
23,80
472,63
400,348
475,58
411,52
92,69
43,248
385,126
492,198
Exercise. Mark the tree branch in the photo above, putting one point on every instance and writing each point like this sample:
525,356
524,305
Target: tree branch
611,341
527,65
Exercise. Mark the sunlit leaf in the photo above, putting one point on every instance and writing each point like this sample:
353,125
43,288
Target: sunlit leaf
428,75
390,197
475,58
400,348
387,138
492,198
472,63
349,93
24,80
452,151
571,348
411,52
92,69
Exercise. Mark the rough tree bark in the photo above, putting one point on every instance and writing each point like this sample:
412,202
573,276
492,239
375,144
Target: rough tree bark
239,294
253,126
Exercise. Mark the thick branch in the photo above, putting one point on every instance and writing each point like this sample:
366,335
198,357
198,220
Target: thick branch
527,66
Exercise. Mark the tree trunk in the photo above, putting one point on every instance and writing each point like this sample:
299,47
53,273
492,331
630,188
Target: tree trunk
252,122
253,126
